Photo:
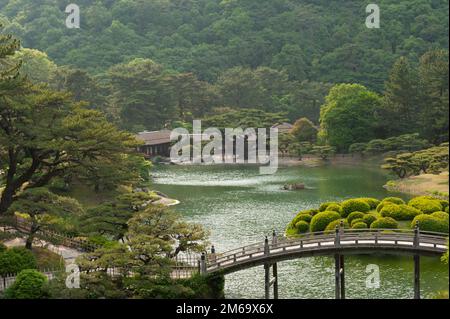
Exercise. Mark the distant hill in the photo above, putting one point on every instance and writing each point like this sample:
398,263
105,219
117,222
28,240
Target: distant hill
316,40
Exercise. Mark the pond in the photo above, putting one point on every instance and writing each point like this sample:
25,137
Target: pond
240,207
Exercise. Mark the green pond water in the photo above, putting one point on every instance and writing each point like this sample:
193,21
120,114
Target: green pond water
240,207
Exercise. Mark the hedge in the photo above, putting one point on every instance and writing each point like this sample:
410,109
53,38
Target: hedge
384,223
430,223
354,205
356,220
390,200
400,212
359,225
310,212
302,217
332,226
373,202
354,215
440,215
426,204
444,204
320,221
334,208
394,200
14,260
323,207
29,284
302,227
369,219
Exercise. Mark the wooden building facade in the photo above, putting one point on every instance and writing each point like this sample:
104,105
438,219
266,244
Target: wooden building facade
156,143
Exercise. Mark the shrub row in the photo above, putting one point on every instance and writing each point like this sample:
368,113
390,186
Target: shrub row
336,223
426,204
320,221
390,200
354,205
400,212
384,223
355,213
431,223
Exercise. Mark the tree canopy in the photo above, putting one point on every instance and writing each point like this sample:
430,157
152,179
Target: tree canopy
315,40
349,115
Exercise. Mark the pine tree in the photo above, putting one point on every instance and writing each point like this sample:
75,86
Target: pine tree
8,46
44,134
434,115
401,100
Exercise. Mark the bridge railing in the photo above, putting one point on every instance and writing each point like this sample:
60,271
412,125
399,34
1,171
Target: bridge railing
327,238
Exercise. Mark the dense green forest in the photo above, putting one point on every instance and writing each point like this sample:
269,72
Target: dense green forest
154,64
315,40
72,99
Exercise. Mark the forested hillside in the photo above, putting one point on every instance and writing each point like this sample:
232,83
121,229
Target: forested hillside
316,40
149,64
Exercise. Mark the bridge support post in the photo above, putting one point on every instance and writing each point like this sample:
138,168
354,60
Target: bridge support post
416,264
337,277
275,282
270,282
416,277
267,281
342,276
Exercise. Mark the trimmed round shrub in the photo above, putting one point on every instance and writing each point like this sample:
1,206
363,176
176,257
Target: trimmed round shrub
369,219
384,223
29,284
400,212
302,217
334,208
430,223
394,200
332,226
359,225
320,221
373,202
310,212
389,200
14,260
426,204
444,204
440,215
354,205
354,215
410,212
302,227
356,220
323,207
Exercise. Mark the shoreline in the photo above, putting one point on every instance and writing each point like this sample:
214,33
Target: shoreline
422,185
288,161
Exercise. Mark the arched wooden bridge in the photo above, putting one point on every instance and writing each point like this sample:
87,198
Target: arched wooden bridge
339,243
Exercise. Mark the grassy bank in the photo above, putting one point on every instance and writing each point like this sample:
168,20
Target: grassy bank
424,184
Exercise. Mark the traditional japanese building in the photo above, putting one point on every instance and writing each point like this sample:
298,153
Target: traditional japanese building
283,127
156,143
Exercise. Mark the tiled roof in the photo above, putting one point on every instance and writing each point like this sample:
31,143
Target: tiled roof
155,137
283,126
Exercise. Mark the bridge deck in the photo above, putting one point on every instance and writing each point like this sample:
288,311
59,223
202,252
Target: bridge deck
343,242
